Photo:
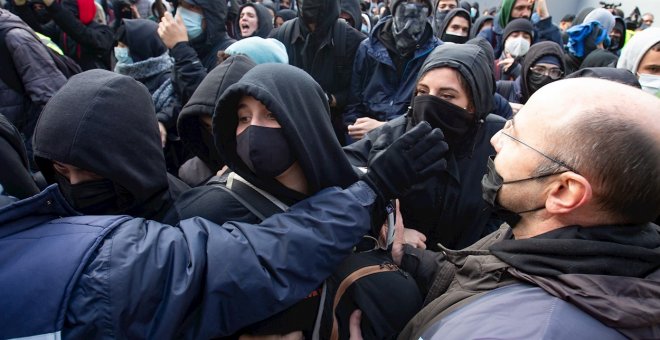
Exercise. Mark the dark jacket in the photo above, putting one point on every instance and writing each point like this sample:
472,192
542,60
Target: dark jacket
449,208
264,21
608,275
105,123
536,52
307,129
37,71
89,43
379,90
194,136
15,176
544,30
317,53
479,23
195,58
143,279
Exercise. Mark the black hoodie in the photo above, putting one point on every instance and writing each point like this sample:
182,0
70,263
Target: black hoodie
105,123
202,103
536,52
440,32
303,113
476,26
448,208
264,21
15,176
352,8
215,33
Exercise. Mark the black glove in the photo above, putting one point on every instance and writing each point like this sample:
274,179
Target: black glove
412,158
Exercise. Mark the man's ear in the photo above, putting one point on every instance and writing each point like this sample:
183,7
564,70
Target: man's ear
567,193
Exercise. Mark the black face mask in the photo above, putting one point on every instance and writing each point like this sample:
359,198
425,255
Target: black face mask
42,15
454,121
90,198
264,150
537,81
311,11
614,44
454,38
491,184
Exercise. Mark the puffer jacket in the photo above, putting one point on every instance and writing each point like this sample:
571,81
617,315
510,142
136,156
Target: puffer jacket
141,279
39,75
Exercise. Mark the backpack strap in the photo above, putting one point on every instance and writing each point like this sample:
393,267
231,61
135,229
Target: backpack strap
348,281
283,34
339,39
261,203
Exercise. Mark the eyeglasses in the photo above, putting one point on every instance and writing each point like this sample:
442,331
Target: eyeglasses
554,73
556,161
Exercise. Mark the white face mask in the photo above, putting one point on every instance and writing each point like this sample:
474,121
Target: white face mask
650,83
516,47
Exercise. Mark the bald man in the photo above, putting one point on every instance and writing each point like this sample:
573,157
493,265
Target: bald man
577,178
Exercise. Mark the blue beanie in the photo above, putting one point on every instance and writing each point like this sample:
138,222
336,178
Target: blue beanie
260,50
549,59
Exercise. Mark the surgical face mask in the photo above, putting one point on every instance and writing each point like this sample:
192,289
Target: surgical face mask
365,29
264,150
516,47
96,197
192,21
454,121
491,184
121,53
650,83
408,25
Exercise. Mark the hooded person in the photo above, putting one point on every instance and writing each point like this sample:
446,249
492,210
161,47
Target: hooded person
534,76
324,46
15,176
618,36
640,56
350,11
98,139
284,154
585,38
386,66
599,58
441,9
448,208
481,24
70,24
456,27
260,50
518,37
283,16
254,20
142,56
544,29
195,51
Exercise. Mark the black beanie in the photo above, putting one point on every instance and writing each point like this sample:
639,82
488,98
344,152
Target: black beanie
518,25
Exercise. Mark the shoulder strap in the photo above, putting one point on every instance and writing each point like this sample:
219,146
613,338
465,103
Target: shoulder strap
347,282
284,36
339,38
8,72
262,204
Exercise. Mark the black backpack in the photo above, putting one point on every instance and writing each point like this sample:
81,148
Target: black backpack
8,73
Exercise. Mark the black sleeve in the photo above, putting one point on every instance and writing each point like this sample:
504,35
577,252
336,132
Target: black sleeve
188,71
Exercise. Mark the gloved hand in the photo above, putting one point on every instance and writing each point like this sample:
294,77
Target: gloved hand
412,158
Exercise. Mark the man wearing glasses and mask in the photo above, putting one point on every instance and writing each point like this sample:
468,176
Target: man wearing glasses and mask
576,179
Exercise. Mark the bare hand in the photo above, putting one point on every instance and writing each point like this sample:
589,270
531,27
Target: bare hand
172,30
414,238
163,133
505,63
298,335
135,12
362,126
542,9
399,237
354,325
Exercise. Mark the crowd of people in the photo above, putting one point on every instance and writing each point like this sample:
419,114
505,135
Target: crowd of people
328,169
